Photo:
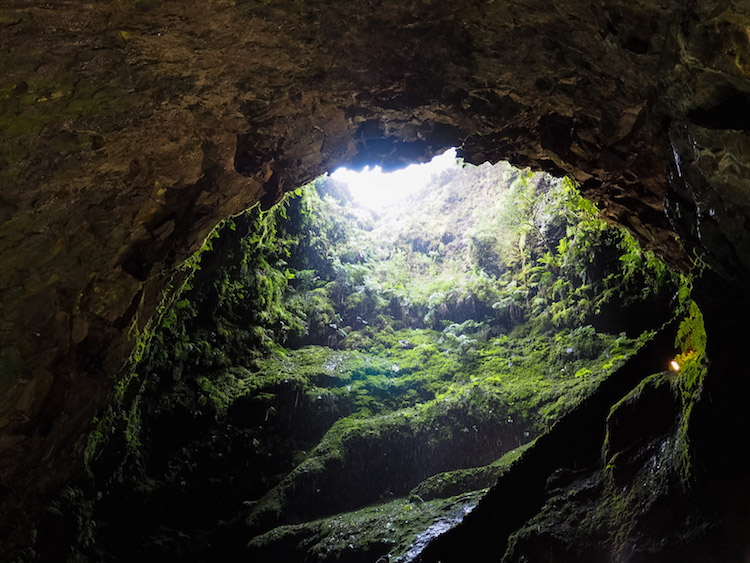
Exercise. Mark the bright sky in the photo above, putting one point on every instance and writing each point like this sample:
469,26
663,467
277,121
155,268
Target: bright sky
376,189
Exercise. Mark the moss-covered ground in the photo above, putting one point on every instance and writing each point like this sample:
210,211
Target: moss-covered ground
391,531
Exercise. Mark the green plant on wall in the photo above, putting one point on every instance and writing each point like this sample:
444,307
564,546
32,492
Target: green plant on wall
691,341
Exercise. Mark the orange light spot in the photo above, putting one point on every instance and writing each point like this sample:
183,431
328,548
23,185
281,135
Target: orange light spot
674,366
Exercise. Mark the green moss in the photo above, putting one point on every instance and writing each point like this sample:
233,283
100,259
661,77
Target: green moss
633,489
525,384
627,411
389,530
451,483
393,452
595,515
341,363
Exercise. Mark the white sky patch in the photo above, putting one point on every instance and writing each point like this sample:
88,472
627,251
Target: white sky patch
376,189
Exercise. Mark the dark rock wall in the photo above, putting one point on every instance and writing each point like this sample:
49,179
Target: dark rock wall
130,128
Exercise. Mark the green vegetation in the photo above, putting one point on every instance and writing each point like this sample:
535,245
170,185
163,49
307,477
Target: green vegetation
318,358
647,470
451,483
397,527
691,341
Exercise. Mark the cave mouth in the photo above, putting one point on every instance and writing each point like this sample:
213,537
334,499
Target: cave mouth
325,367
374,188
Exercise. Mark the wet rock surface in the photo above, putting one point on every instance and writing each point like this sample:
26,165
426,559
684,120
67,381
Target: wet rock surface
568,453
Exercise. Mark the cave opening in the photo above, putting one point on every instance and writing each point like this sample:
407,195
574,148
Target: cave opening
130,129
365,372
375,189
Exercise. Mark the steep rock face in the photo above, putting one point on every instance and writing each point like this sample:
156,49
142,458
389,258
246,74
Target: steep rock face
131,128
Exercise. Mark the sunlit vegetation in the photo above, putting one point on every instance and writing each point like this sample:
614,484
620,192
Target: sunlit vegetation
322,357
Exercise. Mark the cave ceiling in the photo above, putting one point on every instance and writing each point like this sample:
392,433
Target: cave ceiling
131,127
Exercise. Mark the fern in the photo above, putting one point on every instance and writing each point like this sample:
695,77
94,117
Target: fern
691,340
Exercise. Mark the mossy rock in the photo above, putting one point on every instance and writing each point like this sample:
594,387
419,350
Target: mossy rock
651,409
392,531
361,460
452,483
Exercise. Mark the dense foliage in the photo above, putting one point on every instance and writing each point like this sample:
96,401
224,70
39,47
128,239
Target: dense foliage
526,249
320,357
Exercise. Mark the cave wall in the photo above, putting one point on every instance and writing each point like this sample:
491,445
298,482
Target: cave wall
131,127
